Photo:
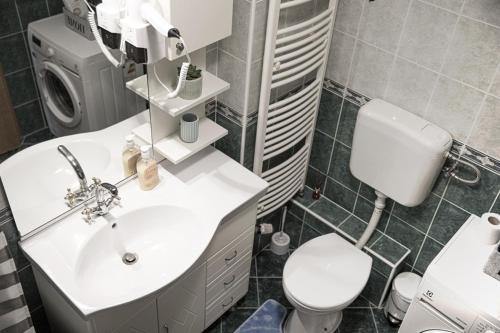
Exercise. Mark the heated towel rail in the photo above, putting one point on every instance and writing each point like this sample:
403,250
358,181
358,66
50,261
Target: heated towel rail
293,54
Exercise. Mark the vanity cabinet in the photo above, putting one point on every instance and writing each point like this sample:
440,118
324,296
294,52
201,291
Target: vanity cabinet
218,279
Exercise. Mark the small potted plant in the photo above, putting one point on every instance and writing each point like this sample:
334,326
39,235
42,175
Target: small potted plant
193,85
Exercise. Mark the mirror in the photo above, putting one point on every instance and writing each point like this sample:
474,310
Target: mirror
88,110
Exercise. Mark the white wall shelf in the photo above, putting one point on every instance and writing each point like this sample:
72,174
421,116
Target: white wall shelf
212,86
174,149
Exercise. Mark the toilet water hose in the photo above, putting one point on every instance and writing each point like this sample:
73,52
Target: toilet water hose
374,220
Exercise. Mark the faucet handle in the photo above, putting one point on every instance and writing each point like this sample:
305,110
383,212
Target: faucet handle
70,197
87,214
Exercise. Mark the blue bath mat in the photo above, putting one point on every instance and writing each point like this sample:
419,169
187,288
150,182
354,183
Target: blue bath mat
268,318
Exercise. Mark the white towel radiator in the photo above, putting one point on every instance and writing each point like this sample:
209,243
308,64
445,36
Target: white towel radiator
292,54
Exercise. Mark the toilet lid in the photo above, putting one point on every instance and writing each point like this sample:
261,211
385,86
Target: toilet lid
326,273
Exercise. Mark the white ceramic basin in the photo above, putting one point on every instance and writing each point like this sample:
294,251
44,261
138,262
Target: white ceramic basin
156,235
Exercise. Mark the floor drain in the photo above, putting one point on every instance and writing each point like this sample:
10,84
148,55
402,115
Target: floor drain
130,258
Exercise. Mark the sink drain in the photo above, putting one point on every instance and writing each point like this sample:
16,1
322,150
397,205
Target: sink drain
130,258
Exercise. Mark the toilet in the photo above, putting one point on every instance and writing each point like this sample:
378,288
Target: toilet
400,155
320,285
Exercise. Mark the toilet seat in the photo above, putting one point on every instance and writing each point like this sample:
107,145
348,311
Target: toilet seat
326,274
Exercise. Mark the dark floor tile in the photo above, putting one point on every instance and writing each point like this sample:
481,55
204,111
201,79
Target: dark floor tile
293,227
270,264
476,199
13,53
429,251
329,111
374,288
330,211
251,299
232,319
308,233
296,210
9,18
216,327
316,179
321,151
448,220
340,194
253,267
272,289
357,321
360,302
406,235
382,323
340,169
347,122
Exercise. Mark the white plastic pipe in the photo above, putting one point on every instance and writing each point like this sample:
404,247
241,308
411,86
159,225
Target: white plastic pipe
374,220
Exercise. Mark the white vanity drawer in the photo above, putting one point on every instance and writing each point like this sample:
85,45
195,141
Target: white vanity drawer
226,301
229,278
232,228
230,255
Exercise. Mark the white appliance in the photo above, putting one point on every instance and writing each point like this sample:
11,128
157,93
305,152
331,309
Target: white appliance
455,295
81,91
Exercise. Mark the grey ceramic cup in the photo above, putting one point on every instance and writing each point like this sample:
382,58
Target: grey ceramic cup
190,125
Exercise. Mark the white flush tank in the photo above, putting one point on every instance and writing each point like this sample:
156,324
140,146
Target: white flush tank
397,152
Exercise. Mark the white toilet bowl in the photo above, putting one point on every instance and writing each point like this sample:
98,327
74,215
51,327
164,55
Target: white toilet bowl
320,279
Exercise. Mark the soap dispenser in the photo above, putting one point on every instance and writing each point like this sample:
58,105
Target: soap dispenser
130,156
147,170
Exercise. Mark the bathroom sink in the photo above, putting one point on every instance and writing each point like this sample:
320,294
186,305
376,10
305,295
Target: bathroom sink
136,249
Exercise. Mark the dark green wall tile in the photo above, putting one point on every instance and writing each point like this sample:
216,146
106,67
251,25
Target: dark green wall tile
496,206
231,143
250,145
306,198
355,227
296,210
40,136
30,289
448,220
31,10
339,167
8,17
374,287
318,225
13,53
389,249
21,87
30,117
347,122
476,199
357,321
55,7
40,320
440,184
406,235
368,192
420,216
430,250
380,266
329,111
329,211
340,194
315,179
321,151
364,210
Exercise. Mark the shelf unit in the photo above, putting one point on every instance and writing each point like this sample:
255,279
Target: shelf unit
212,86
174,149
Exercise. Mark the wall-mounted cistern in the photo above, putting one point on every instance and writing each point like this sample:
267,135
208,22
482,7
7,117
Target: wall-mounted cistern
83,193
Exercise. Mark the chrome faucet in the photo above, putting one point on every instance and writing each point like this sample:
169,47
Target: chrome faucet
74,197
105,196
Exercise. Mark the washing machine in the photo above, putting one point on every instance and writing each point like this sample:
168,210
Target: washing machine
455,295
80,90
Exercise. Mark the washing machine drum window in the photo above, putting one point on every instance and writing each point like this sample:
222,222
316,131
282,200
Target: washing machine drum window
60,95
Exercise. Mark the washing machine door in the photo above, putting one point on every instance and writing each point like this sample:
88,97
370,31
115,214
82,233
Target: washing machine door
61,97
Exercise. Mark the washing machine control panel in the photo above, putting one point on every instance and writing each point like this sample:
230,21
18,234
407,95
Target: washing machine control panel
481,325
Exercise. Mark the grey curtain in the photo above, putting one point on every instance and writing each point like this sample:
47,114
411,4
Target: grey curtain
14,313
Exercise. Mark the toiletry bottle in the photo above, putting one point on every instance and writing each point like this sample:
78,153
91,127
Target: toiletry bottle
130,156
147,170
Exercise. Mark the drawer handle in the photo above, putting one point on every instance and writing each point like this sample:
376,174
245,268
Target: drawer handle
231,301
230,282
234,256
